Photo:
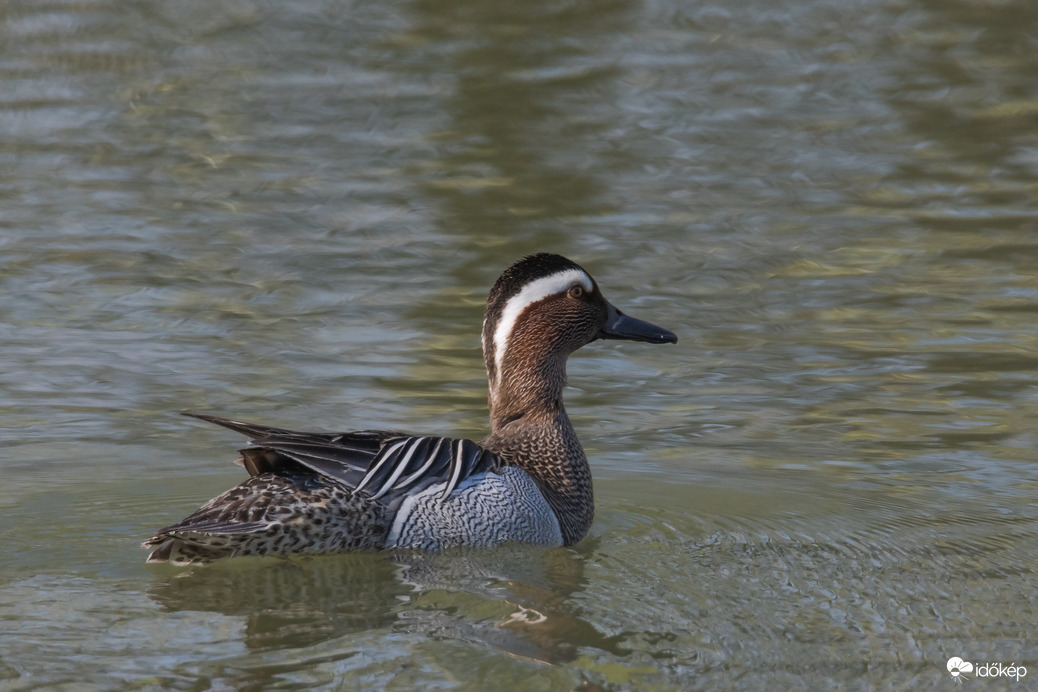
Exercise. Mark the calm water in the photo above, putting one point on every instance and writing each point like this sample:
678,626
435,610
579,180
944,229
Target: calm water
291,212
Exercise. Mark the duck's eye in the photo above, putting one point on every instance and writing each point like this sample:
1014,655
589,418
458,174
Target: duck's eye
576,291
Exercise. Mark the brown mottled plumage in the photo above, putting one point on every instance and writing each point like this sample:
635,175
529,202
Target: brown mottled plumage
529,480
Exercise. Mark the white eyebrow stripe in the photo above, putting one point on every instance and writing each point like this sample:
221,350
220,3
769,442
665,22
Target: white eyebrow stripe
531,293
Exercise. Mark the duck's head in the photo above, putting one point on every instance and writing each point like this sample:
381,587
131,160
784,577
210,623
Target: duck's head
541,309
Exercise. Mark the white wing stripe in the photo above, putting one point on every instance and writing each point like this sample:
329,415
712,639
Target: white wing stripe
474,457
400,466
425,467
374,469
455,472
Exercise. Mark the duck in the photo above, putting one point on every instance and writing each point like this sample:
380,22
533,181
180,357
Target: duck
528,481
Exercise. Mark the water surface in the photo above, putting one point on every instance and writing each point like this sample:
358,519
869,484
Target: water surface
292,214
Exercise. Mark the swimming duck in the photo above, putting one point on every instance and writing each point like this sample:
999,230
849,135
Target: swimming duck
527,481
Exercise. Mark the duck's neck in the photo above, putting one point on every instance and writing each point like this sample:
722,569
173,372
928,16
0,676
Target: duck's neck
532,431
531,390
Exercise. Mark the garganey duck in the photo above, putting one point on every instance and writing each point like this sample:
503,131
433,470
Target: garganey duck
527,481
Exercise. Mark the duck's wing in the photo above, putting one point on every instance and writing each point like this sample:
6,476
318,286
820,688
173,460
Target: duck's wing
380,463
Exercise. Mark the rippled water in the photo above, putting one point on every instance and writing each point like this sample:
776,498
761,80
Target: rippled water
292,212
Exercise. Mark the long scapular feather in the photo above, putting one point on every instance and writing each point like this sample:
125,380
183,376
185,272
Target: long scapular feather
421,459
222,528
379,463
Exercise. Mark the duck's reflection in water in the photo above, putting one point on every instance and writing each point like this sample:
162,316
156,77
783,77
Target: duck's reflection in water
517,598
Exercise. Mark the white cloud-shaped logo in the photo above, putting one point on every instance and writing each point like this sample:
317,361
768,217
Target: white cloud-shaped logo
956,666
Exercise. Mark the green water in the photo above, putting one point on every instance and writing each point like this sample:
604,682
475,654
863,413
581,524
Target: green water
291,213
